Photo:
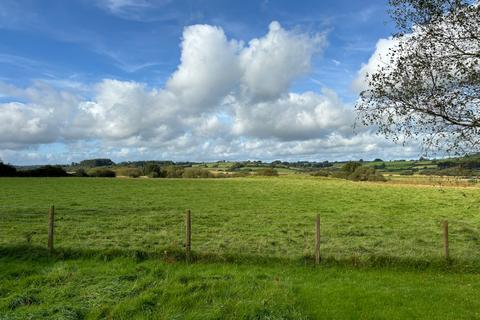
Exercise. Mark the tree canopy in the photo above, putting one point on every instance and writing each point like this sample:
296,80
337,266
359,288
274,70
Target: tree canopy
428,88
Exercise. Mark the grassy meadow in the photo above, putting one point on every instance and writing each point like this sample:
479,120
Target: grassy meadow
119,249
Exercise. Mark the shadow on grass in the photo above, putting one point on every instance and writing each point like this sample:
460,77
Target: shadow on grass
169,255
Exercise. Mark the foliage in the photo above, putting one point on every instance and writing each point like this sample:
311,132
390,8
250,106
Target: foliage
363,173
450,171
429,87
268,172
381,165
45,171
80,172
7,170
321,173
129,172
152,170
92,163
351,166
173,171
236,166
197,173
101,173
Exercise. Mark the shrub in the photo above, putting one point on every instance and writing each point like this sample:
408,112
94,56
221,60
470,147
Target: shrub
351,166
379,166
340,174
154,170
366,174
269,172
80,173
236,166
102,173
129,172
7,170
173,172
321,173
197,173
45,171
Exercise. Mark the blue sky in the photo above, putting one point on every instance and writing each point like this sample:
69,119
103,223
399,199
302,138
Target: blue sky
84,78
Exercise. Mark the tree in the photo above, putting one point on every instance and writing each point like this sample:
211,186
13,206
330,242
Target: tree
429,87
7,170
92,163
351,166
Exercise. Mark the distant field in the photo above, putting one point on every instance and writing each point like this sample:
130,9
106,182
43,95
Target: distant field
435,181
122,240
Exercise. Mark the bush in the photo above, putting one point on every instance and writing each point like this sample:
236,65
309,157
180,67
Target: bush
340,174
197,173
379,166
268,172
129,172
45,171
7,170
80,173
454,172
366,174
236,166
102,173
351,166
173,172
321,173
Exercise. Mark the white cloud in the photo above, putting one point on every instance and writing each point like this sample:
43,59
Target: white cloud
226,99
271,63
209,68
379,58
295,117
119,5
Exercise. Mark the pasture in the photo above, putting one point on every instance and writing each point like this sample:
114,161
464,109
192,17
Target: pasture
119,249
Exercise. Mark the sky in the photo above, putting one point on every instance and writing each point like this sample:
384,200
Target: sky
196,80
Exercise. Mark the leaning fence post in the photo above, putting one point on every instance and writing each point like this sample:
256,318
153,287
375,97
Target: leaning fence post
188,234
445,239
317,240
51,226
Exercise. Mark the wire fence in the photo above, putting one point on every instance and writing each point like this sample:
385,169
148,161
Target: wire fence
155,230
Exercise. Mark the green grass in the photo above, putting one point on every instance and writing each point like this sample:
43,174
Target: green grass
119,249
126,289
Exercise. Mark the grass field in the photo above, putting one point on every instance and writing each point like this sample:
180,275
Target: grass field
119,245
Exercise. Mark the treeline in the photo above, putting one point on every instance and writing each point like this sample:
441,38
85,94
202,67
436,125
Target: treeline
464,163
7,170
354,171
153,170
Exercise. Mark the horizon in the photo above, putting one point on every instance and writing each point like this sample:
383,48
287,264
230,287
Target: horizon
189,81
421,158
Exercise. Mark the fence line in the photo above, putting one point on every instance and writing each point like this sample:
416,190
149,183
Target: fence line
188,236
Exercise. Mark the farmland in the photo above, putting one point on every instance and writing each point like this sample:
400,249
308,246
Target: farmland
119,249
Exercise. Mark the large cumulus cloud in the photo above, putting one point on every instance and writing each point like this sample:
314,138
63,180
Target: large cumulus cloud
227,98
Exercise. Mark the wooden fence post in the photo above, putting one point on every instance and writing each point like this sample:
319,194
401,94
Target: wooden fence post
445,239
188,234
51,226
317,240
